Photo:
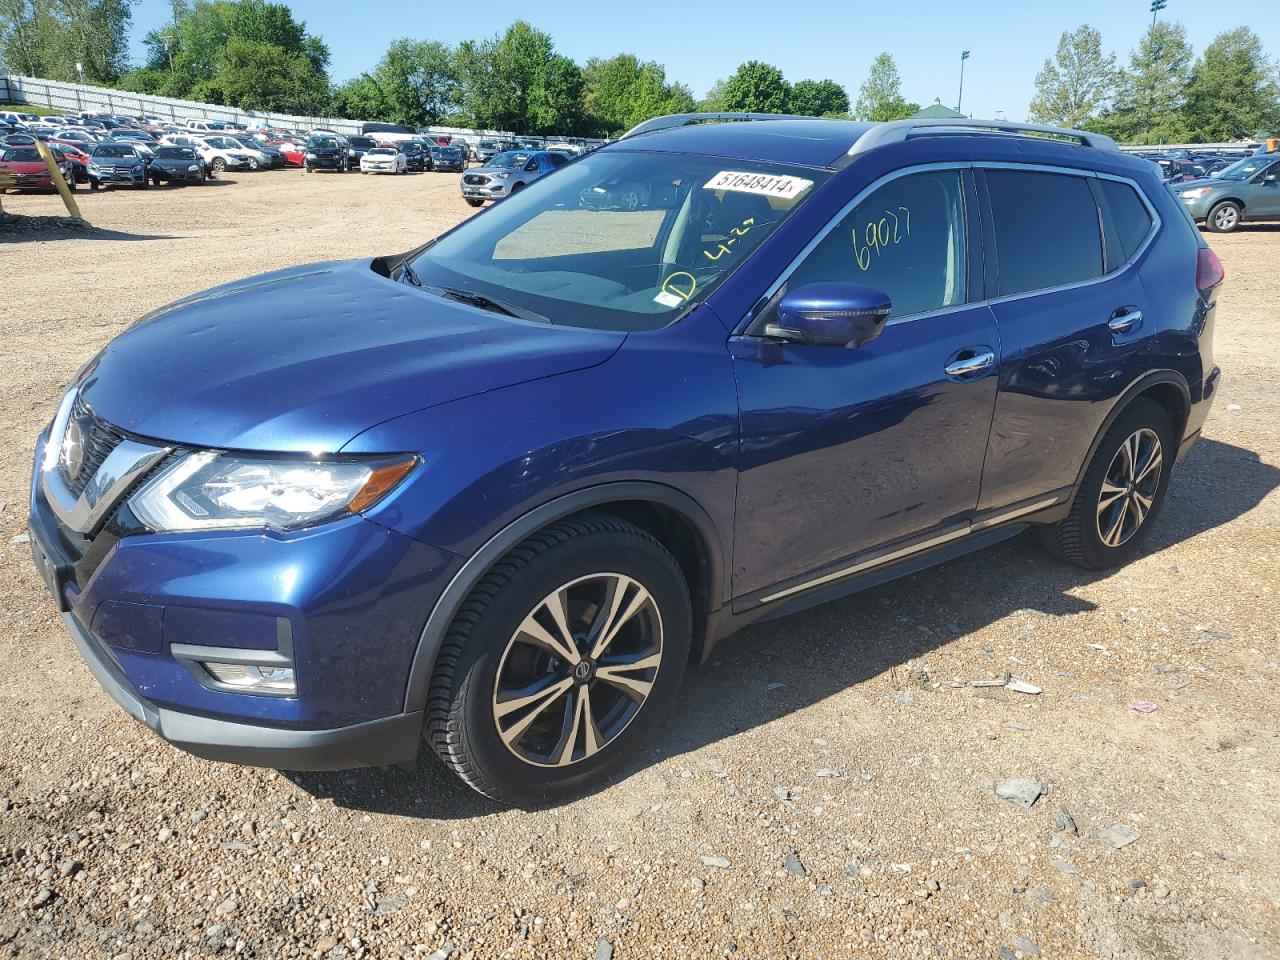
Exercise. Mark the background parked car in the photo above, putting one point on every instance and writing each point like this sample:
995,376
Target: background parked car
1247,190
384,160
486,150
112,163
29,170
506,173
177,165
326,152
357,147
77,159
417,159
447,159
220,153
268,157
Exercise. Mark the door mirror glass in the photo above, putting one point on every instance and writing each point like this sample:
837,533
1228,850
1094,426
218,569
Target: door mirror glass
831,313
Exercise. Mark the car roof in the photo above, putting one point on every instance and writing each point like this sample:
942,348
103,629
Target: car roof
808,142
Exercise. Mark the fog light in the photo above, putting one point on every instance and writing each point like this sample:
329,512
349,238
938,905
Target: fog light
253,678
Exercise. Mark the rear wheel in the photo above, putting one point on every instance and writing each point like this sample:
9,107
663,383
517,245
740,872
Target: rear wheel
1121,493
1223,217
561,662
219,165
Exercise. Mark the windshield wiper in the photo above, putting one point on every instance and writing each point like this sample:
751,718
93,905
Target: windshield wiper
409,274
482,302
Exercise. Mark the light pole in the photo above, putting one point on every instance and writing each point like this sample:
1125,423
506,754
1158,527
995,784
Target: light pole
964,55
1156,7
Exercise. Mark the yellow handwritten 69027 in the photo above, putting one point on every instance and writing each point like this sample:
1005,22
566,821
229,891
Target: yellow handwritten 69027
878,235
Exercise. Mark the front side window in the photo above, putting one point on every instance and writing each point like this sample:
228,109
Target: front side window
905,239
620,240
1046,229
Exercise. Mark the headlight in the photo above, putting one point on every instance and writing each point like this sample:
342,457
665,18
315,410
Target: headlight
501,176
215,491
1195,193
193,169
310,156
93,168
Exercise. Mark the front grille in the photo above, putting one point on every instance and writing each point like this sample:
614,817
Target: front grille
474,179
98,439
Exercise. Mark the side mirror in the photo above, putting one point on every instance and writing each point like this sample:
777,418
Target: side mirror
1271,178
831,314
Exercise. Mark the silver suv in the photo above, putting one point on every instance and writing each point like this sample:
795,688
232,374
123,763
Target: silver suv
506,173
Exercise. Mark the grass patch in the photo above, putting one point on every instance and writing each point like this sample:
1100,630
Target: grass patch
31,108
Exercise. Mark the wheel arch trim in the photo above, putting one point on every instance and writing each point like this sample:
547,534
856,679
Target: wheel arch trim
1140,386
497,546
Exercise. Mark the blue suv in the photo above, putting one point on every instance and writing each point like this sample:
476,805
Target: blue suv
497,492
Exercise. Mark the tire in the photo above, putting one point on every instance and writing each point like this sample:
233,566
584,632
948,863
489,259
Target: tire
94,184
1223,217
1098,534
486,646
219,165
473,202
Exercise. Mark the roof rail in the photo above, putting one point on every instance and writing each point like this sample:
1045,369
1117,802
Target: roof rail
672,120
897,131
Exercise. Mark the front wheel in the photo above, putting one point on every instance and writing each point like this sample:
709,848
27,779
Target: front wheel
473,202
1121,493
1224,217
561,662
94,184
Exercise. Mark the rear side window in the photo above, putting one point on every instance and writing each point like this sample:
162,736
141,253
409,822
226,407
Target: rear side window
1046,227
1128,214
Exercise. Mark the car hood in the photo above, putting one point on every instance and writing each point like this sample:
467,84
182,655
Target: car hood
1199,182
306,358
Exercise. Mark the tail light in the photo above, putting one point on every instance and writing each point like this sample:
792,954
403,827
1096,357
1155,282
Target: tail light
1209,272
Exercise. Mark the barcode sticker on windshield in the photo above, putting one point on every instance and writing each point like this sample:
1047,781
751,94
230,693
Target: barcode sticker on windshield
764,184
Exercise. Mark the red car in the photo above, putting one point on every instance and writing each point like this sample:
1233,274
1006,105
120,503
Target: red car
29,170
77,158
293,154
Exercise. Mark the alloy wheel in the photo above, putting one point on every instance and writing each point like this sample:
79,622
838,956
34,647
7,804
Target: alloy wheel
578,669
1129,487
1226,218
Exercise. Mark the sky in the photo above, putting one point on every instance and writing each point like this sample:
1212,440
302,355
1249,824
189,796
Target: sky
700,42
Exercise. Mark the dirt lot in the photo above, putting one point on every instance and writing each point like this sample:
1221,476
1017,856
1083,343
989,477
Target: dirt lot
825,788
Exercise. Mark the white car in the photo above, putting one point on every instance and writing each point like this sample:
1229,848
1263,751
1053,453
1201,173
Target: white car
384,160
220,153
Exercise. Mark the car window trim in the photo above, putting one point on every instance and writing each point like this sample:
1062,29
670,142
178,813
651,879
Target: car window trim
986,241
1156,223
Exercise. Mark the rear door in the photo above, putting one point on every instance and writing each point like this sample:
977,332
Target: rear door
1072,314
1264,195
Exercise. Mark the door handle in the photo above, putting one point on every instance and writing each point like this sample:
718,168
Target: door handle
970,362
1125,320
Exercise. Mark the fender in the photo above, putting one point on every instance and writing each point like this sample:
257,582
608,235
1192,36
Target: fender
1145,382
499,544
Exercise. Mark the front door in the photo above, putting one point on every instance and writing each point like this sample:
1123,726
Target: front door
846,450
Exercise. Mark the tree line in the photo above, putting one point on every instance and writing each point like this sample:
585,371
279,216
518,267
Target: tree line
256,55
1162,94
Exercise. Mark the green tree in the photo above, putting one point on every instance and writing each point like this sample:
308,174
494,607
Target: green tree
622,91
1233,91
518,82
713,102
413,83
757,87
880,96
1076,87
819,98
49,37
247,53
26,32
1151,93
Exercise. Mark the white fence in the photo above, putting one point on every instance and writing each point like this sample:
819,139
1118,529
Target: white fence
76,97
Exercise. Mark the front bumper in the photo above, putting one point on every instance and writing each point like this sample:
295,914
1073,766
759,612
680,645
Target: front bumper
489,191
350,596
1198,207
381,742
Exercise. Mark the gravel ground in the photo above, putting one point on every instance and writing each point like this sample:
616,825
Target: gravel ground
831,786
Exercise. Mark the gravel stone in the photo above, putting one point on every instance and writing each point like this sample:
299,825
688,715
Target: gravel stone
1023,791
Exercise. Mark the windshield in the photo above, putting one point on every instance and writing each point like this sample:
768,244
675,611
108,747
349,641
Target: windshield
1246,168
175,153
113,150
381,152
22,156
512,159
324,143
364,143
619,240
